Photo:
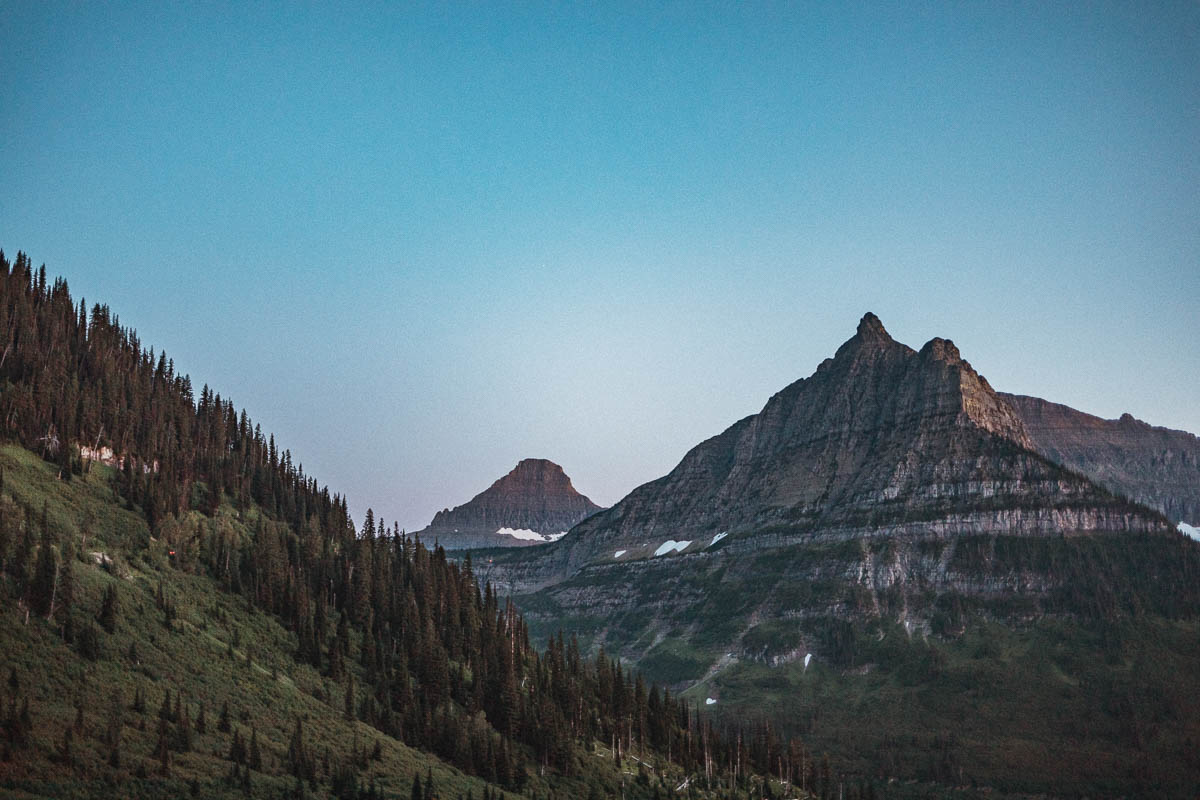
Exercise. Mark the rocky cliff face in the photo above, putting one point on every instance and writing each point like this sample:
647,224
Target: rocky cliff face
880,440
532,504
1155,466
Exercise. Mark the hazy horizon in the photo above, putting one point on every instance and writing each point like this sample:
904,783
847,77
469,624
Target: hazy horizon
419,244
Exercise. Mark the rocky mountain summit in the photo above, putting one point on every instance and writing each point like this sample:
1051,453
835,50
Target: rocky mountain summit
880,440
1156,466
532,504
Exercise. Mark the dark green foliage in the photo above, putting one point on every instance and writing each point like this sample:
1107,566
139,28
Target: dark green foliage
87,642
108,609
45,576
255,752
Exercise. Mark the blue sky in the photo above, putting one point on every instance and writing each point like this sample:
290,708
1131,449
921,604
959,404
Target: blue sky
421,242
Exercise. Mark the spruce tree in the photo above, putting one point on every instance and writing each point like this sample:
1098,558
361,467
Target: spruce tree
255,753
162,749
66,589
45,575
108,609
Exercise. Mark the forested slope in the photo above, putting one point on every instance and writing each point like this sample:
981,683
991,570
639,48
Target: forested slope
198,612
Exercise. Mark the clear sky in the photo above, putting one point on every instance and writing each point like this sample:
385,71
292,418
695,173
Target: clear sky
420,243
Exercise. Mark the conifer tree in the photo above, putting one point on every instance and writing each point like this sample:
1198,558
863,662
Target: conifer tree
45,576
255,753
66,589
162,750
108,609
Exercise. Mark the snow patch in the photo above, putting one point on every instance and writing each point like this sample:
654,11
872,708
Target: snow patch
718,538
671,545
554,537
807,658
522,533
710,702
1189,530
619,553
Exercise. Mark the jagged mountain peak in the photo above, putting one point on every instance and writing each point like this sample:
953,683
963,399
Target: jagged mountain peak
870,342
942,350
871,327
880,438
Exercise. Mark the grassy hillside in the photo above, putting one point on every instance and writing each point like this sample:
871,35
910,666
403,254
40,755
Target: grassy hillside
93,725
217,651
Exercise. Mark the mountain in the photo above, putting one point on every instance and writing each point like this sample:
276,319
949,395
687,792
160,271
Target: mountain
532,504
882,562
1156,466
880,440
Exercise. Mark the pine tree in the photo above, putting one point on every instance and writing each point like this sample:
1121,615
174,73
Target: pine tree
66,590
183,732
237,749
108,609
65,752
45,576
297,755
255,753
162,750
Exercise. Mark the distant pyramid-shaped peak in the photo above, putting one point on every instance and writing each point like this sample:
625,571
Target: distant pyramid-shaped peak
535,501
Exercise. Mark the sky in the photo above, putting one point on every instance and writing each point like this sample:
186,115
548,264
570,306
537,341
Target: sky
421,242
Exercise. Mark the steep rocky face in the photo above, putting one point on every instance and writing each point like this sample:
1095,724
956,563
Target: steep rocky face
1155,466
532,504
881,439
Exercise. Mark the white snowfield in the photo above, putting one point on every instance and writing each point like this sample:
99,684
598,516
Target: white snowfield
807,658
710,702
718,538
1189,530
671,545
619,553
554,537
526,535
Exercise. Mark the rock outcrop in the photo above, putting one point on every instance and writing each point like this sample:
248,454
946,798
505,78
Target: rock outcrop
532,504
1156,466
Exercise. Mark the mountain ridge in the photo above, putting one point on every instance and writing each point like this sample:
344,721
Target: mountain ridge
879,438
1154,465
